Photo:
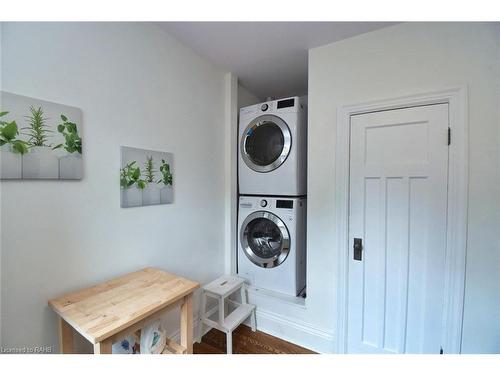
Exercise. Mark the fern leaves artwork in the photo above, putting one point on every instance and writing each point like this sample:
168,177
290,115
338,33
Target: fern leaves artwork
39,139
37,130
146,177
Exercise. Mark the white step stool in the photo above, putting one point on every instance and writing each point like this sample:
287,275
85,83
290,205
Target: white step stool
220,290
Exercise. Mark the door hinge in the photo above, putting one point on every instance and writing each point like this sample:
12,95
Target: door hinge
449,135
441,351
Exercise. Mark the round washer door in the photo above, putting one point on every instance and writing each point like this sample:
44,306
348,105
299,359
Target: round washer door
265,239
265,143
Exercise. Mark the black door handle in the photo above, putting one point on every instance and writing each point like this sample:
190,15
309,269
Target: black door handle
358,249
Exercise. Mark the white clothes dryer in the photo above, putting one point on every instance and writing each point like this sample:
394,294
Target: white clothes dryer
273,148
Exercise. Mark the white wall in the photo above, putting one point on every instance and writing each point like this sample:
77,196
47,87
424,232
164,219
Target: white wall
231,177
246,98
136,86
395,61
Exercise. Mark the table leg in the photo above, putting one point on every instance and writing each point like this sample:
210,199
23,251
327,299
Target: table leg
187,324
65,337
103,347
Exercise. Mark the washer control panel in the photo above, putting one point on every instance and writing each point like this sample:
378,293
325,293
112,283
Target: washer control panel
270,203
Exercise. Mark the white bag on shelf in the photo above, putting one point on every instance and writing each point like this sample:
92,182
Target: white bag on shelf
153,338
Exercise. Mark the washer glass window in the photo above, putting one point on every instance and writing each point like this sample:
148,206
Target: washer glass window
266,143
265,239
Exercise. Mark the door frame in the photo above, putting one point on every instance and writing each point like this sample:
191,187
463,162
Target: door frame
456,236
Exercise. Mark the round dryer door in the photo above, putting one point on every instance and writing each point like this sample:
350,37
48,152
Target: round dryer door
265,143
265,239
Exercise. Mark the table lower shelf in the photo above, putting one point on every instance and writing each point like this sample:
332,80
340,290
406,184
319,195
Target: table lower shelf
171,347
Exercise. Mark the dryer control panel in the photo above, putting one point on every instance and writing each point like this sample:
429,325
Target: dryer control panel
287,105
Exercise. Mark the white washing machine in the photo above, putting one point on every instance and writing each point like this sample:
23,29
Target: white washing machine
272,243
273,148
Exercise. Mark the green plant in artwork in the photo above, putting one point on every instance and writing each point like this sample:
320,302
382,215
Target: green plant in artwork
149,169
37,131
131,175
8,135
167,177
73,142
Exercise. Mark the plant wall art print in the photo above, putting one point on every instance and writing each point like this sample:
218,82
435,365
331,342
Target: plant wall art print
146,177
39,139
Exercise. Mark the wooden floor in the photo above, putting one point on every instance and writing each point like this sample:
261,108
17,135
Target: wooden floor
246,342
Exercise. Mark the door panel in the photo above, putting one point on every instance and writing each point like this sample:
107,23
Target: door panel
398,198
373,300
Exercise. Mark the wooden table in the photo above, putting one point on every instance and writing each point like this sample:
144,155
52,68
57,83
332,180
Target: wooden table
105,312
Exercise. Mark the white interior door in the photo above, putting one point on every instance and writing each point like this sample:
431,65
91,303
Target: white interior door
397,208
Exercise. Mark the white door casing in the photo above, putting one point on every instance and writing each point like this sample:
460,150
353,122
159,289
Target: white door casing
398,201
457,205
455,262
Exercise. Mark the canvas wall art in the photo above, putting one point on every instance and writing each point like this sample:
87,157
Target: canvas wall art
146,177
39,139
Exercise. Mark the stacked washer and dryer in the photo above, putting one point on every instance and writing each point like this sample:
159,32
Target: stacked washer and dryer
272,175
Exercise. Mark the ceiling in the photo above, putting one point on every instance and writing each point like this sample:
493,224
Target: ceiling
269,58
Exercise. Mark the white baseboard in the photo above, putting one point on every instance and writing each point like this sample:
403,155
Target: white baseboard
299,333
